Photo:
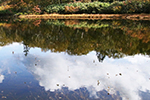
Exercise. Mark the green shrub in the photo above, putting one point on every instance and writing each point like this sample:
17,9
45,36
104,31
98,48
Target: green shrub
101,7
136,7
94,7
116,7
110,0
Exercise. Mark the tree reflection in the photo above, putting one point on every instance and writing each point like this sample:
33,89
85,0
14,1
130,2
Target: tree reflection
108,38
26,50
100,56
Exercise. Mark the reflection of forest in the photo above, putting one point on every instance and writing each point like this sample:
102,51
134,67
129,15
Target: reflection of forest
83,94
107,38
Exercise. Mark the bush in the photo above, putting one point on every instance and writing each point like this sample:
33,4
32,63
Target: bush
136,6
92,7
109,0
116,7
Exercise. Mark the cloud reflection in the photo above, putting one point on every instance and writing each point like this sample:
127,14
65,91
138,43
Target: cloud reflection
7,61
1,78
128,75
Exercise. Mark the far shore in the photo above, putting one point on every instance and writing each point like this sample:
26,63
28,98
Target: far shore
88,16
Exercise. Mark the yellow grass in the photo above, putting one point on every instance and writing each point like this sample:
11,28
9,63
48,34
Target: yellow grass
2,7
5,6
5,25
88,16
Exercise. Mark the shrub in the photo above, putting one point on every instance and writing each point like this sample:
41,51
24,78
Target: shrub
109,0
116,7
101,7
136,6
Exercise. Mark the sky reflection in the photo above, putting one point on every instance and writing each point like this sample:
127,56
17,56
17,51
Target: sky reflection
128,75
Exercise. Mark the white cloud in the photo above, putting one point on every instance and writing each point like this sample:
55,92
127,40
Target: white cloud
79,71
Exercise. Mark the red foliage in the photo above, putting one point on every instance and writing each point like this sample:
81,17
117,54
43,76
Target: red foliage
37,9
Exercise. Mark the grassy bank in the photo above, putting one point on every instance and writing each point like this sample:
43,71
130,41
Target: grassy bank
25,7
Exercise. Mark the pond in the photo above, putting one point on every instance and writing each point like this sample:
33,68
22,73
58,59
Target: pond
74,59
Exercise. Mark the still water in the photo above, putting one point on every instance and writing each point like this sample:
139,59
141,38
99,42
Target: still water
74,60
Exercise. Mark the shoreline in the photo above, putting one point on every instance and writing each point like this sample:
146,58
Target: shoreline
88,16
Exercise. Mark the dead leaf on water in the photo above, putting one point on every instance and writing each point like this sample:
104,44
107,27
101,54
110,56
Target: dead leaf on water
98,82
93,61
4,97
57,84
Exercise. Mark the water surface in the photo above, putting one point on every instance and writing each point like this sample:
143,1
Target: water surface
51,59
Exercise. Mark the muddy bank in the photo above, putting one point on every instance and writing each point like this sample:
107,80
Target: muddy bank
88,16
